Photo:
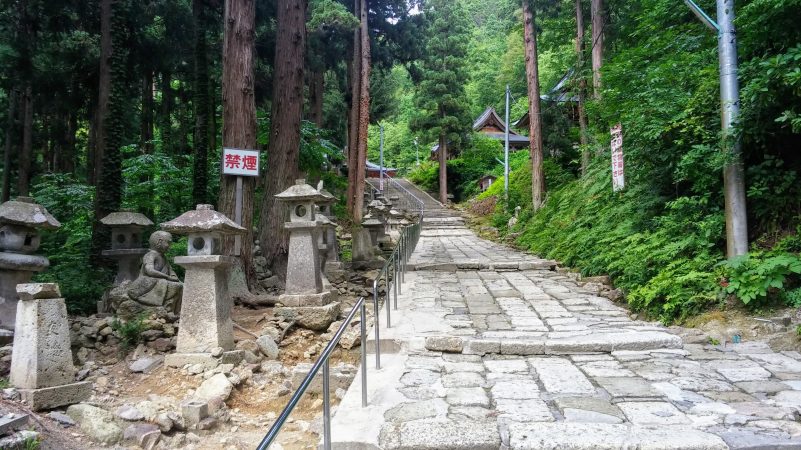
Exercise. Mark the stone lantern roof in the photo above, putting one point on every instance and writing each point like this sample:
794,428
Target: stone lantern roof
301,192
323,220
202,220
126,218
25,212
329,197
371,222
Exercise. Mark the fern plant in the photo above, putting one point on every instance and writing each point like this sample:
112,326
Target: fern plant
750,277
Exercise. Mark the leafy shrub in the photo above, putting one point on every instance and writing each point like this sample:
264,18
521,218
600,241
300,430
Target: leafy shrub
750,277
129,332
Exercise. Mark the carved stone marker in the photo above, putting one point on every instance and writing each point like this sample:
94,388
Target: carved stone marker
304,285
41,360
206,306
126,243
20,220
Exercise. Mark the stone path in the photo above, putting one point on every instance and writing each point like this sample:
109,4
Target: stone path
491,349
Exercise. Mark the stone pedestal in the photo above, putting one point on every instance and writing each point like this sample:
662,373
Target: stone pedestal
15,268
41,361
304,284
205,305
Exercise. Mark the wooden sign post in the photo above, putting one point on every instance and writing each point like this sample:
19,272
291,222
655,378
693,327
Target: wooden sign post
240,163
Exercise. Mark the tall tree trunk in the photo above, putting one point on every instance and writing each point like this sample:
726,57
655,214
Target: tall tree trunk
316,91
535,126
598,24
212,109
12,106
354,75
443,169
287,112
146,121
185,123
66,162
109,184
364,112
202,105
166,113
582,89
239,116
103,92
26,155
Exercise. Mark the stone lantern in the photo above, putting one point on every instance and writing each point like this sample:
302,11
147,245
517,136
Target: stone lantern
324,247
20,221
304,285
329,229
205,304
126,243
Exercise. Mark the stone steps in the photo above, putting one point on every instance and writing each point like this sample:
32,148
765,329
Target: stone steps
604,436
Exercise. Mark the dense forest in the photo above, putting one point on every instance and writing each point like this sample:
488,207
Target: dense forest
113,104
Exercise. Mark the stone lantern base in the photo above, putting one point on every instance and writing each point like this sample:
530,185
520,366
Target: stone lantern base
41,361
205,305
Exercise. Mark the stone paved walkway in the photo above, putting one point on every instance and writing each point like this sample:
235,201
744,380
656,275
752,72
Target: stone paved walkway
491,349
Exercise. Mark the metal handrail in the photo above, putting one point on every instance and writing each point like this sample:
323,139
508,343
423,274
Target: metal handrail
322,361
409,237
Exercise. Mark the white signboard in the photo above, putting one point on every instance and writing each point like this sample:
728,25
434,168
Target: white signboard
244,163
618,178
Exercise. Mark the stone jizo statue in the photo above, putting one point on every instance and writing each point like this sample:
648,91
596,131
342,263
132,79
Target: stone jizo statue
156,286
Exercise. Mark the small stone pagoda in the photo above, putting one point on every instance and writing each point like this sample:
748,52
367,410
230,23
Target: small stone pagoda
304,284
126,242
205,306
20,222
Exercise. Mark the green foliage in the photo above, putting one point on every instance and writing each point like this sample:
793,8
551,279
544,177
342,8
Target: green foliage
793,298
751,277
129,332
68,247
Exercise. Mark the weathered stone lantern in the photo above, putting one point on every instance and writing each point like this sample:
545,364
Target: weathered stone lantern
205,304
304,285
20,221
126,243
329,230
375,227
324,248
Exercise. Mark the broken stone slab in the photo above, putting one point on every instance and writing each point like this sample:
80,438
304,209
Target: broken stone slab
145,435
317,318
98,424
433,434
184,359
61,418
598,436
11,422
146,364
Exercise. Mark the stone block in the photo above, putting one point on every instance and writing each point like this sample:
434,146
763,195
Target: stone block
448,344
194,411
317,318
31,291
55,396
145,435
481,347
233,357
302,300
522,347
183,359
434,434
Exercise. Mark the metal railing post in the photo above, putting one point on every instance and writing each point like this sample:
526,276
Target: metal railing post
388,296
363,326
375,314
326,406
395,280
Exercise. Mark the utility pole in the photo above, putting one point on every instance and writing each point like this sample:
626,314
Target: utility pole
506,148
381,158
733,176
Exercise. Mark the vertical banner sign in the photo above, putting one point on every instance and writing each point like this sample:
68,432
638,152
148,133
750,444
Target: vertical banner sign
618,179
239,163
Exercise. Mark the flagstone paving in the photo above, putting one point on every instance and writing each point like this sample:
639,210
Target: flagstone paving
518,356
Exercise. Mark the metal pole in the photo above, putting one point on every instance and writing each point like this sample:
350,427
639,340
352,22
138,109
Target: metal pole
506,148
733,177
375,315
326,407
363,327
417,151
381,158
702,16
